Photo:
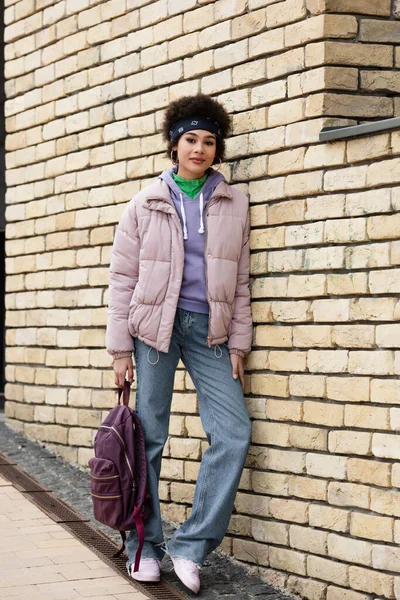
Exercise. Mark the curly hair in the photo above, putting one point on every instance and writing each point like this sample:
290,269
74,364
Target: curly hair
202,106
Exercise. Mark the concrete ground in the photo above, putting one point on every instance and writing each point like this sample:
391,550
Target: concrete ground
221,578
40,560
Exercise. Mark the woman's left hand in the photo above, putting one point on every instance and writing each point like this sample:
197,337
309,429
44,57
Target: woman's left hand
238,368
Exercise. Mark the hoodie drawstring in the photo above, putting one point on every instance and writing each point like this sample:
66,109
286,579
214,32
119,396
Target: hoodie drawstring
217,351
148,357
201,206
185,232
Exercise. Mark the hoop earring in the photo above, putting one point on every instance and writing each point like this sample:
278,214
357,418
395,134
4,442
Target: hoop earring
220,164
173,160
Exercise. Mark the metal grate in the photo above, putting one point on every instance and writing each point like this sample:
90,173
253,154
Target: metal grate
81,528
55,508
5,461
99,543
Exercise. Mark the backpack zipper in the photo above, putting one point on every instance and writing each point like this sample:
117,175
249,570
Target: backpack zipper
123,443
97,496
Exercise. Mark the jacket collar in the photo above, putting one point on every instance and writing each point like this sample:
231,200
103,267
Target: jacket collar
159,191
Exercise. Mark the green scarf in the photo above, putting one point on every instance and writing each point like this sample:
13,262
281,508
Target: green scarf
190,187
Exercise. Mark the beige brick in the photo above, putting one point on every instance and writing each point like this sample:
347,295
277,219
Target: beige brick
386,558
307,385
250,551
327,361
349,494
258,505
385,502
280,361
348,54
322,413
307,487
266,42
277,385
327,570
308,437
270,532
353,551
368,471
308,540
385,390
287,560
321,465
366,417
288,62
385,445
200,18
309,233
284,113
289,510
285,461
281,15
328,517
66,416
307,588
306,336
276,434
371,527
323,26
371,581
379,362
185,448
291,311
282,410
348,105
347,284
344,389
317,258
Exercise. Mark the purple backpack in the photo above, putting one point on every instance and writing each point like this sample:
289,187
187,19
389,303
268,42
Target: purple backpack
118,473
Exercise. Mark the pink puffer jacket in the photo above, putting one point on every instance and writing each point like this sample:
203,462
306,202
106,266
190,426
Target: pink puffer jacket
147,267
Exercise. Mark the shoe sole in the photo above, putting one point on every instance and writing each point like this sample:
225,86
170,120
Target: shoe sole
145,579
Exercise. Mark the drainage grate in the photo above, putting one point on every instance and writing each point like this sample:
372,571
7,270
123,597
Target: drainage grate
81,528
22,481
55,508
5,461
99,543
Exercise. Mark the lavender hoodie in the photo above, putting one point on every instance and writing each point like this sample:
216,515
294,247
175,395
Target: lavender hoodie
193,291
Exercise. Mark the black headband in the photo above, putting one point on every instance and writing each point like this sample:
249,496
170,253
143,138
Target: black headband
194,123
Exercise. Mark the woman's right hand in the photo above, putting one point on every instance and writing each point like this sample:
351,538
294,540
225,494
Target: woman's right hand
121,367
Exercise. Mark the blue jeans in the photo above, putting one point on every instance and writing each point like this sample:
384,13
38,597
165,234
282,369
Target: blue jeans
225,422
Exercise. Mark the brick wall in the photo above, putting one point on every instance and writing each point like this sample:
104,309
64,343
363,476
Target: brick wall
318,508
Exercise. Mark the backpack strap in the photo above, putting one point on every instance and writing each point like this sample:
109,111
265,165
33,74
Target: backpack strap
125,393
137,517
120,551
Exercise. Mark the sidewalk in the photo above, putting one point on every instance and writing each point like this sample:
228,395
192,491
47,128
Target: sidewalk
221,578
39,560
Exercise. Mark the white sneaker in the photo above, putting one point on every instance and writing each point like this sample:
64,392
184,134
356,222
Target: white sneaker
149,570
188,573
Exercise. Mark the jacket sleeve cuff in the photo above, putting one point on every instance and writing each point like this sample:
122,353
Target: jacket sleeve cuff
121,354
238,352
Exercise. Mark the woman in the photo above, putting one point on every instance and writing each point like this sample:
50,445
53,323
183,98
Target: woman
179,287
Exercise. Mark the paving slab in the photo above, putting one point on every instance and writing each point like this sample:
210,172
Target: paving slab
42,544
40,560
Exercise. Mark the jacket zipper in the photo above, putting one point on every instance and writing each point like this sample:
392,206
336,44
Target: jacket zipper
212,201
104,478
